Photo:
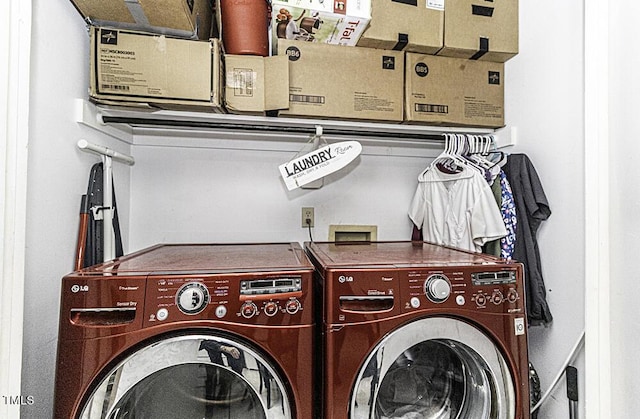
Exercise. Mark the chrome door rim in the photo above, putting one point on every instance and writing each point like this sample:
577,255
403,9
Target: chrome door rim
171,355
394,344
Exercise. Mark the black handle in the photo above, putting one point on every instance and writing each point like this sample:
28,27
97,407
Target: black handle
572,383
482,10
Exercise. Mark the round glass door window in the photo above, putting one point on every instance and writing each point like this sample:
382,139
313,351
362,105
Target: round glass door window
191,377
435,368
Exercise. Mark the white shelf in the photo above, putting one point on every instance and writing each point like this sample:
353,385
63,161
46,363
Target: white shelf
143,126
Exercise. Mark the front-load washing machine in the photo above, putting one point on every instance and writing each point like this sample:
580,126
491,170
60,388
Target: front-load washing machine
189,332
415,330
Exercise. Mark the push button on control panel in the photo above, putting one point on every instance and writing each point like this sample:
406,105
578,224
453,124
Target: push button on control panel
248,310
293,306
271,308
497,297
221,311
162,314
415,302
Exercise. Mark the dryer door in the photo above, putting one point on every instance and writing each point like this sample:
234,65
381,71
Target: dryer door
194,376
434,368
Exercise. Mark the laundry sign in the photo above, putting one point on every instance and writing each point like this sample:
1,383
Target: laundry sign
319,163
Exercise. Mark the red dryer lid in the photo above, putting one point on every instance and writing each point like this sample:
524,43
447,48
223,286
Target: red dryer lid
395,254
209,258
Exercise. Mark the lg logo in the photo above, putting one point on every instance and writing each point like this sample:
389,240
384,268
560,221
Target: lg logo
78,288
342,279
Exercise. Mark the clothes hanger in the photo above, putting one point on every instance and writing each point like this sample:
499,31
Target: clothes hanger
479,151
469,145
447,161
496,157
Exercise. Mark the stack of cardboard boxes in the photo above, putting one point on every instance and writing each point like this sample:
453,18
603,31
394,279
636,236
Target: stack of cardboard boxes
413,62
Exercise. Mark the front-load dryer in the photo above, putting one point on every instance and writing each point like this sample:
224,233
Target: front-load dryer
415,330
189,332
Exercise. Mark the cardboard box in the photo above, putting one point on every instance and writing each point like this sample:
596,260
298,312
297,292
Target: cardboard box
338,22
139,67
405,25
481,29
335,81
454,91
180,18
256,84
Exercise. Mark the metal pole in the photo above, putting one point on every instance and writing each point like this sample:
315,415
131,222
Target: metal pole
108,156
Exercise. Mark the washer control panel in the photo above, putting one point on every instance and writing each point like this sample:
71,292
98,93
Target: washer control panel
271,299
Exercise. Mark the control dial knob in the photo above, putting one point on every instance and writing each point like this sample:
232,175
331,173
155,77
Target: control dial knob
293,306
248,310
497,297
437,288
192,298
271,308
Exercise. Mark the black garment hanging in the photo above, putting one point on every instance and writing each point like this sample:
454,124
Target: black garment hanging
93,204
532,208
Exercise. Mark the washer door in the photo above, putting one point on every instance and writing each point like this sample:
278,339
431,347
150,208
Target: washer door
434,368
194,376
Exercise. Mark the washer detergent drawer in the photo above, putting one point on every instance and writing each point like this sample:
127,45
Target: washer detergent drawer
191,376
435,368
96,317
102,306
359,304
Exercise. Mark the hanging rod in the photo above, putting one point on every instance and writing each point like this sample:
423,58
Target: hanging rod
84,145
133,125
298,129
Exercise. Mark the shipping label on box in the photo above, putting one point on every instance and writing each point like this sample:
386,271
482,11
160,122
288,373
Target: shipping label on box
256,84
453,91
340,82
481,29
156,69
406,25
337,22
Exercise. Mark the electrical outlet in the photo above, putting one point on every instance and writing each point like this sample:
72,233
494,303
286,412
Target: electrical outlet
307,217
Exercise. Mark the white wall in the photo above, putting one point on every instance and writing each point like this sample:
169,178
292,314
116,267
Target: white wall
545,101
209,194
215,195
625,205
57,177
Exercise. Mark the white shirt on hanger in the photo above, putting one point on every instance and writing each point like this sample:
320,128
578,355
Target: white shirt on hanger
456,210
